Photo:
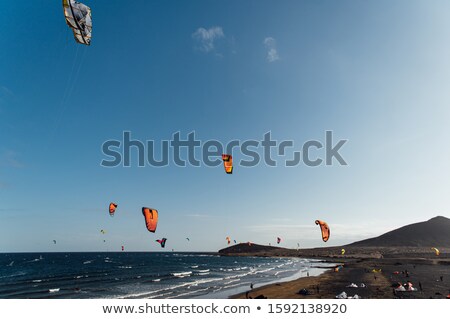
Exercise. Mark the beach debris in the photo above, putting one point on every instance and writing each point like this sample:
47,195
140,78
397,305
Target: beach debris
227,163
79,19
342,251
437,252
325,230
336,269
162,242
353,285
376,270
304,292
343,295
278,240
151,218
408,286
112,209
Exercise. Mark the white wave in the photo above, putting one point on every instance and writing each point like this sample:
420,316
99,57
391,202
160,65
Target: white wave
87,262
265,270
188,293
179,274
37,280
53,290
161,295
125,267
195,266
11,263
156,280
203,270
34,260
282,271
232,286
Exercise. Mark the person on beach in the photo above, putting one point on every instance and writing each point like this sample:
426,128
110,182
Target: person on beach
251,286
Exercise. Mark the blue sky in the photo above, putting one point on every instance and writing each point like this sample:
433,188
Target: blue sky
375,73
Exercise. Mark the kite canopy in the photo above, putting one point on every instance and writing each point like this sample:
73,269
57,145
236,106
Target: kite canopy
228,163
151,218
228,240
103,231
278,240
112,209
342,251
162,242
325,230
78,18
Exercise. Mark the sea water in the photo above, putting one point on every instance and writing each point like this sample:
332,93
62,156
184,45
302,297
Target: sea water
142,274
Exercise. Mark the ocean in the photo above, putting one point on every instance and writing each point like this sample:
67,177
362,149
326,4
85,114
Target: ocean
142,274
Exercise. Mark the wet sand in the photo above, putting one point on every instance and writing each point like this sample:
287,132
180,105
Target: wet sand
423,272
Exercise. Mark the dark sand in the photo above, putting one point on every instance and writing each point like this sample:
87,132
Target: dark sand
426,271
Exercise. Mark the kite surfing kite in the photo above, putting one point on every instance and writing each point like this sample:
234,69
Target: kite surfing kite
228,163
342,251
78,18
325,230
151,218
54,241
278,240
123,248
162,242
187,238
228,240
112,209
103,231
436,251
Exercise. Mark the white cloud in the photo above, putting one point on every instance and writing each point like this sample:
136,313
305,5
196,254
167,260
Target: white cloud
206,38
271,46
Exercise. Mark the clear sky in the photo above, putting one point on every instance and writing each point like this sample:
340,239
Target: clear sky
376,73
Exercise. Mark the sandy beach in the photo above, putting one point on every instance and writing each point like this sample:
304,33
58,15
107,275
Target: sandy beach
431,278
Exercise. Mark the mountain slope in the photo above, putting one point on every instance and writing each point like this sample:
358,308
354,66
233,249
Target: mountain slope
434,232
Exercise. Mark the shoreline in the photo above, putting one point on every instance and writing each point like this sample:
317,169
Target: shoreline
431,278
